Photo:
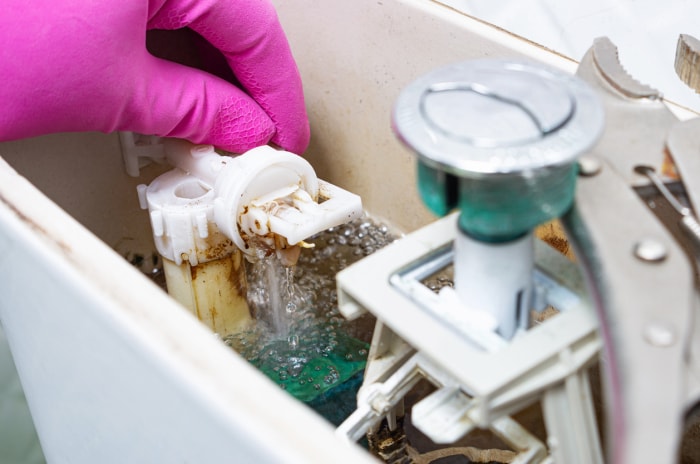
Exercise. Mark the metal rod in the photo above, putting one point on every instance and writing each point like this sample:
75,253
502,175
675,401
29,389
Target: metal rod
650,173
688,223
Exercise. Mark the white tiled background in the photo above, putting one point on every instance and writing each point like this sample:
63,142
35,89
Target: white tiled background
645,32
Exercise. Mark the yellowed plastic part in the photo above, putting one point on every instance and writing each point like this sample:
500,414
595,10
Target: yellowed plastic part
214,291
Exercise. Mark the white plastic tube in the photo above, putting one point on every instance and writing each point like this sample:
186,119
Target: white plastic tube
496,278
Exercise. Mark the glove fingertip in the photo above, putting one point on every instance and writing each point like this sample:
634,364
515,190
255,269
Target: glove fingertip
296,140
239,128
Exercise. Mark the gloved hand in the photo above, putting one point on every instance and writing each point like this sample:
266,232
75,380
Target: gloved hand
78,65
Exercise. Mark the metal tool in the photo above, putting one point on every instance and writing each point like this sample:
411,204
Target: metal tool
687,61
639,276
688,222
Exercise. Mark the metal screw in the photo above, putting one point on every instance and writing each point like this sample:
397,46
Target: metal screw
650,250
589,166
659,334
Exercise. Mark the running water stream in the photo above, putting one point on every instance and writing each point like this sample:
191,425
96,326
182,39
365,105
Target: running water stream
273,296
300,340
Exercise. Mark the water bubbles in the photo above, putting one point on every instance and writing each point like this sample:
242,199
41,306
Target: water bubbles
293,341
301,341
441,280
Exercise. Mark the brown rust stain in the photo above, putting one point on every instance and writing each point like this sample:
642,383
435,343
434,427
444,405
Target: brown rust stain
212,320
65,248
668,167
553,234
558,243
218,246
237,276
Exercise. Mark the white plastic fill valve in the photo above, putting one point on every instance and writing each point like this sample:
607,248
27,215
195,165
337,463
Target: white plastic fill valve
263,192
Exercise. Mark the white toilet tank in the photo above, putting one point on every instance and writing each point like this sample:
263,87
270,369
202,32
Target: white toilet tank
113,369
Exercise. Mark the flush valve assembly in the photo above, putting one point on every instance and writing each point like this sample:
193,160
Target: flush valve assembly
497,143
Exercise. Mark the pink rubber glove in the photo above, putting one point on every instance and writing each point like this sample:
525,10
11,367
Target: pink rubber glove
78,65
